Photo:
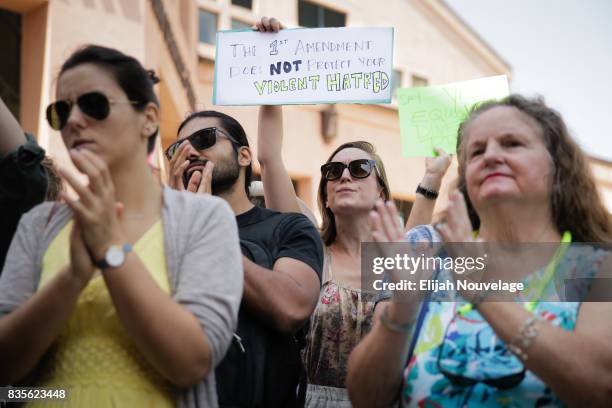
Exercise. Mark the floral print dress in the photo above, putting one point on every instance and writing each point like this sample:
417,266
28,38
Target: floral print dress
472,349
342,317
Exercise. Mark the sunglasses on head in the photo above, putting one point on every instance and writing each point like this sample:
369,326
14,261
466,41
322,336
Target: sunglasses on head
360,168
93,104
200,140
501,383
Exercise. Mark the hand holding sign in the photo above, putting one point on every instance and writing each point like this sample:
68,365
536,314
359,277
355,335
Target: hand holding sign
269,25
430,116
438,165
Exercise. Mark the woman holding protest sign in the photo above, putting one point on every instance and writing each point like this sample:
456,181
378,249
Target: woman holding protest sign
352,180
117,297
522,179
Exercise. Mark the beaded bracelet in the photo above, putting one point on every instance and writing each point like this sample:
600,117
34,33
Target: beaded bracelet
479,298
395,327
521,342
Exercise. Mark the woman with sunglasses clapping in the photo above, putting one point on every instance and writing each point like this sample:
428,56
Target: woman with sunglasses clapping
352,180
129,294
525,194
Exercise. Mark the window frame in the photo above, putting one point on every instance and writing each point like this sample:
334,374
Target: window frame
231,3
321,18
217,15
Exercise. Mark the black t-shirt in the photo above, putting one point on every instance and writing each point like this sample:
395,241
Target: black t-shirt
263,367
23,184
282,235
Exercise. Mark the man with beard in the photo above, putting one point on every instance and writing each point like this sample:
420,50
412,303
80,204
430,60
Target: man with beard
282,257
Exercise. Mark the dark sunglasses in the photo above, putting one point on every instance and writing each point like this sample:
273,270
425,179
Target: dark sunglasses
94,104
501,383
360,168
200,140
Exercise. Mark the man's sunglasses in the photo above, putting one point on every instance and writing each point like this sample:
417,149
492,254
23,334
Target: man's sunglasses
94,104
501,383
361,168
200,140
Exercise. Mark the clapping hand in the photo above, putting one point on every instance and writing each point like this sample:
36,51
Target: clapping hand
96,211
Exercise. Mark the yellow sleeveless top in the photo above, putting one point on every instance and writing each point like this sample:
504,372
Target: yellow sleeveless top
93,356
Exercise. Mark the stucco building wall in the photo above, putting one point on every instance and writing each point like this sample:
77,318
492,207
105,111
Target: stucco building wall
430,42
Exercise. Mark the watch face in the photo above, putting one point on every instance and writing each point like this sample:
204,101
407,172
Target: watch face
115,256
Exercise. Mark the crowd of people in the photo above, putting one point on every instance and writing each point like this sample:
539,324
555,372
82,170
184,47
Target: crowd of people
132,293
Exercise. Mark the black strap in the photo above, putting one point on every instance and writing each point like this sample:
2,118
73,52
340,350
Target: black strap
429,194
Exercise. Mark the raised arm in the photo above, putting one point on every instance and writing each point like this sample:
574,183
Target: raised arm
11,134
278,188
376,364
435,169
279,193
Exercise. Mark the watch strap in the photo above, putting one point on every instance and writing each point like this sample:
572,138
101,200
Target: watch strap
101,264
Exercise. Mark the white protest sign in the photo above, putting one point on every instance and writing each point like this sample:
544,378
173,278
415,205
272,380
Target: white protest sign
303,66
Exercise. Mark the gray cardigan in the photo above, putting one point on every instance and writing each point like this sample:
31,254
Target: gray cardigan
204,264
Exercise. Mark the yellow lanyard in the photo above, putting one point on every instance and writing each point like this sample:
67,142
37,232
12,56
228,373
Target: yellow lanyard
548,276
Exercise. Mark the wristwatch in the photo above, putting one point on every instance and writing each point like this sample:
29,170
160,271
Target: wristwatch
429,194
114,257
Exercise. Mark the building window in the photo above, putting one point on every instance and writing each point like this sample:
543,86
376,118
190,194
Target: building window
419,81
403,208
313,15
238,24
243,3
396,82
208,27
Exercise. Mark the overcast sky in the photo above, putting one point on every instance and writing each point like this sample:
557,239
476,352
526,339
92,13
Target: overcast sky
561,49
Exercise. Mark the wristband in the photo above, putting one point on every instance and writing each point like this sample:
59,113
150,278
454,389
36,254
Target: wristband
429,194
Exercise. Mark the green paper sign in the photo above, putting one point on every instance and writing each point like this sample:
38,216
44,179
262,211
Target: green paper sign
430,116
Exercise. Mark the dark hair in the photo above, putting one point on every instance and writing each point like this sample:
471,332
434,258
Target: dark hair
575,202
55,186
328,227
132,78
231,126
